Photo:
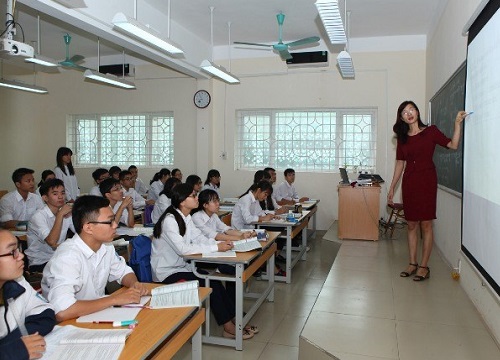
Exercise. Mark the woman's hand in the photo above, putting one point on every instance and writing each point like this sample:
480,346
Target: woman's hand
390,196
461,115
225,245
35,344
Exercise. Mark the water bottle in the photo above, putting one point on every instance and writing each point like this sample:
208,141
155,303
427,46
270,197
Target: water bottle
290,217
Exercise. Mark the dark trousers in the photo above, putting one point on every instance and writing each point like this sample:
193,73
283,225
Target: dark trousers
221,303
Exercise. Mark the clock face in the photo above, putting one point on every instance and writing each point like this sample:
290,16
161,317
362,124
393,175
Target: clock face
201,99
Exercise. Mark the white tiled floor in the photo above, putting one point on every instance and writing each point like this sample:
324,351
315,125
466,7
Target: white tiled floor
365,310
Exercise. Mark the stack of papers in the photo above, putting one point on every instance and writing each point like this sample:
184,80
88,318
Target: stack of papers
246,245
123,313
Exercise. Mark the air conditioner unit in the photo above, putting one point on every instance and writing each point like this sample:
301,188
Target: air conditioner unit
308,59
117,69
9,47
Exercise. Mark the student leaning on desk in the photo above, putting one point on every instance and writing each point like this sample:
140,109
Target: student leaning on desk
75,277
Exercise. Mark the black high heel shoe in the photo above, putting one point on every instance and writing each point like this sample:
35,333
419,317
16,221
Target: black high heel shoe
420,277
407,274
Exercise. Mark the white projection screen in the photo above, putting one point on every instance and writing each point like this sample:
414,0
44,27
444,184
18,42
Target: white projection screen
481,161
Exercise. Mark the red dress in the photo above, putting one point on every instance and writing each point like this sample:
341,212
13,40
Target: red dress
420,177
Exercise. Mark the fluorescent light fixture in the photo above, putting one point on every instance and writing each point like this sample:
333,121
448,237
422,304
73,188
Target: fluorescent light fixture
344,62
332,21
132,27
108,79
219,72
12,84
41,60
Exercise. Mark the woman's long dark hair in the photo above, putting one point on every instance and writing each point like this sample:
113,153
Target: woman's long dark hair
45,173
179,193
400,127
60,163
204,197
169,185
163,172
212,173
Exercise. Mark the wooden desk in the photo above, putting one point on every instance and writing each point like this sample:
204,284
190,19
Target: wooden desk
359,212
161,332
253,260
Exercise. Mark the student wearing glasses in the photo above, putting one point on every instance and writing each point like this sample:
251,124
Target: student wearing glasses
176,235
75,278
127,182
195,180
25,316
122,206
99,175
213,181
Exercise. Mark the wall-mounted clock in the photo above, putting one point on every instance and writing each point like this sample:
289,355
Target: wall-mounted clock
201,99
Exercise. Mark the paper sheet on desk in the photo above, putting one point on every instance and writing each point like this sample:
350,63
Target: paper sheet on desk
229,253
114,313
137,230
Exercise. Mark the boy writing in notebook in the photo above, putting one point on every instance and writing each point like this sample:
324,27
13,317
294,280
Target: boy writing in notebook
75,278
25,316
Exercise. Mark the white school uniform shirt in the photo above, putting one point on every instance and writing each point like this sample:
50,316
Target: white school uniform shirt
286,191
140,187
75,272
40,225
155,190
211,187
124,217
138,201
246,211
70,183
13,206
95,191
159,208
167,250
210,226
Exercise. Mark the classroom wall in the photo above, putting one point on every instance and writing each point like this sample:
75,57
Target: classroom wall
446,51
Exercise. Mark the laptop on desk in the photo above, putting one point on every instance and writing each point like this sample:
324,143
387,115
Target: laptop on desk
344,177
375,178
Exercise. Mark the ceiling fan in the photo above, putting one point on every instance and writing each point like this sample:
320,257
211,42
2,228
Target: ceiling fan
71,62
280,47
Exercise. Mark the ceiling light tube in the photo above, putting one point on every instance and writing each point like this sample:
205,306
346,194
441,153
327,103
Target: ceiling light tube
12,84
219,72
132,27
108,79
344,62
41,60
332,21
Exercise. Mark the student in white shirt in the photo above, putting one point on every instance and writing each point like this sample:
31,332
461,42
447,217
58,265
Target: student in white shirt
157,183
286,193
20,205
247,210
75,278
64,171
269,204
176,235
194,180
212,181
48,227
99,175
177,173
139,185
46,175
122,206
126,180
25,316
163,201
114,172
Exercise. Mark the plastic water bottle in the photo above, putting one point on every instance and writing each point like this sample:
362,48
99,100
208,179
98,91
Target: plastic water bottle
290,217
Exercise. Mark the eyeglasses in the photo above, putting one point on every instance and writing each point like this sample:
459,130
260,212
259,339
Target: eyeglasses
14,253
409,111
116,189
110,222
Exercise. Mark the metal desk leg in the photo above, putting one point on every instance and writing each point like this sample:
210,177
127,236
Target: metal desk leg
288,254
304,243
196,344
239,306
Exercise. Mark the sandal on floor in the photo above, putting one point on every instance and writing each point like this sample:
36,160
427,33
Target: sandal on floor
407,274
252,329
420,277
246,335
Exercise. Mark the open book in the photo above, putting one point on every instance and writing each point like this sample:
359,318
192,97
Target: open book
246,245
71,342
181,294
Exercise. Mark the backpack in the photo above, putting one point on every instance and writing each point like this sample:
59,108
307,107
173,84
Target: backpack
140,258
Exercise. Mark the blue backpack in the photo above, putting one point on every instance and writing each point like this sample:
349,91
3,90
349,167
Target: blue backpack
140,258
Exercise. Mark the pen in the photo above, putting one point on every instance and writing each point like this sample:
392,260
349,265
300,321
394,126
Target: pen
117,323
132,306
469,113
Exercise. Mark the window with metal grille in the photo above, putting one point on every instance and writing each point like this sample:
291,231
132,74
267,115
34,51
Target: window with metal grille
121,139
306,140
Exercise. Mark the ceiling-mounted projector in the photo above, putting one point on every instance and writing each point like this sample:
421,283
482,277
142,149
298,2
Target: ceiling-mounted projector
15,48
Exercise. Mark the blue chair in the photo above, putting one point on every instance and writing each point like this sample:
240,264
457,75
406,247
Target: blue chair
140,258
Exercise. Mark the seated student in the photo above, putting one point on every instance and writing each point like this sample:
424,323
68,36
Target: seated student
114,172
25,316
175,235
75,278
212,181
46,175
139,185
286,193
157,183
269,204
20,204
99,175
177,173
195,180
163,201
122,206
48,227
247,210
64,170
126,180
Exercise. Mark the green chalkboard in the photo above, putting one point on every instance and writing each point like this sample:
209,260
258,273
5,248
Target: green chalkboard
443,109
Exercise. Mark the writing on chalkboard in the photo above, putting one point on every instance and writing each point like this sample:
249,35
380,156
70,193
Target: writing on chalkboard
444,106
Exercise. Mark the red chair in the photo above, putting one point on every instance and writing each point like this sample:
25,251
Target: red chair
397,211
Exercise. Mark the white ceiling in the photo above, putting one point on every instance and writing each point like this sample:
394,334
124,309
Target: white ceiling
251,21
